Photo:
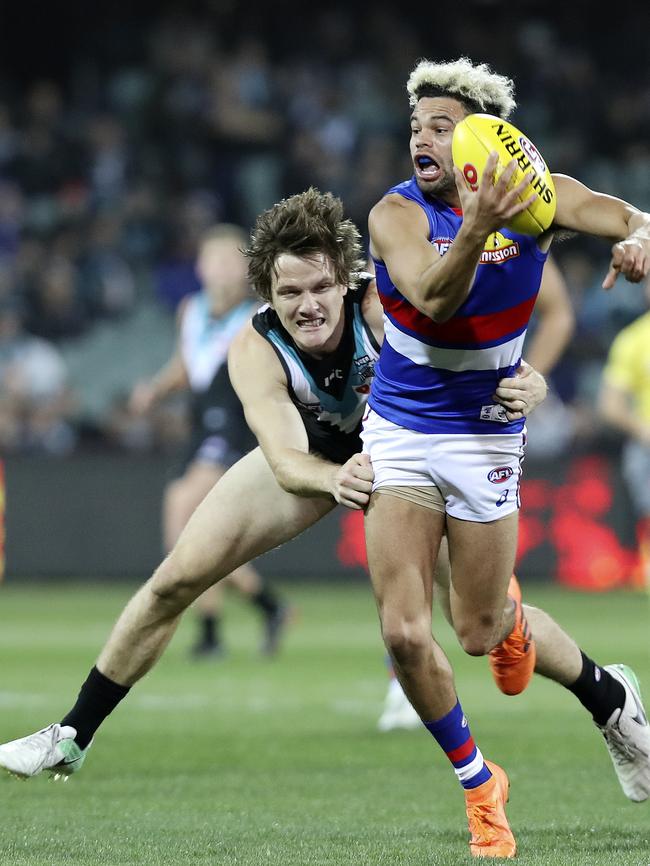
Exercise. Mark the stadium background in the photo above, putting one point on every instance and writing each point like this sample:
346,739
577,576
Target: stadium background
124,132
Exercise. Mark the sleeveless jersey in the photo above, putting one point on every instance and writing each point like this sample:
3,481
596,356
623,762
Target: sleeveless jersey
440,377
330,393
204,344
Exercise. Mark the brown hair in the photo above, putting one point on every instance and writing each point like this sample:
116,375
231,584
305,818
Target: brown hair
305,224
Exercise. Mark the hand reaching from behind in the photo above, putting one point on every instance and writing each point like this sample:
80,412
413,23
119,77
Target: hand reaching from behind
520,394
352,482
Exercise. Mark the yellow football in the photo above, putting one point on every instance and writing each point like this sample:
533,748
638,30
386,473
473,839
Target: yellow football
477,136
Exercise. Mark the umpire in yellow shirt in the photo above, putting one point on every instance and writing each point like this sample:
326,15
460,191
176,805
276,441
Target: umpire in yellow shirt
625,404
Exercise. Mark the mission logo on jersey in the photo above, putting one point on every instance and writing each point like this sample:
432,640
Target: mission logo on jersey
498,248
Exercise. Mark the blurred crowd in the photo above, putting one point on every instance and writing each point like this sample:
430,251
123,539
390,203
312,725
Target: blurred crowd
158,126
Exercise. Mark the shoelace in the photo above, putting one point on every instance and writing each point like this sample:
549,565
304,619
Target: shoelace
623,752
35,744
514,652
481,824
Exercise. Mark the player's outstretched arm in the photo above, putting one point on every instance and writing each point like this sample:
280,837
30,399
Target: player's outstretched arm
260,382
170,378
581,209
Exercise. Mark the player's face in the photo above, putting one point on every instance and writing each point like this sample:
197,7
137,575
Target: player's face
432,127
309,301
222,270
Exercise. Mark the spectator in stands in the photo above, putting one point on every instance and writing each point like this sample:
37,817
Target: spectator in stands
35,400
207,114
57,306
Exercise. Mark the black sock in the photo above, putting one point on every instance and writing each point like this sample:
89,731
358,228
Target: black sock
266,600
97,699
598,691
210,629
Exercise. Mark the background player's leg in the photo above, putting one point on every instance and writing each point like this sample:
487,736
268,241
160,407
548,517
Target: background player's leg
182,495
208,608
180,500
274,612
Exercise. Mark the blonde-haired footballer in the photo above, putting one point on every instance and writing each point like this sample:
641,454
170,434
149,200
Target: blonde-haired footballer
446,458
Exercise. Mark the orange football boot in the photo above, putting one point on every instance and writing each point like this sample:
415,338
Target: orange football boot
513,660
491,835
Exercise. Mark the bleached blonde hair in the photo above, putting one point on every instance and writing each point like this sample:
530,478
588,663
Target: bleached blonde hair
480,89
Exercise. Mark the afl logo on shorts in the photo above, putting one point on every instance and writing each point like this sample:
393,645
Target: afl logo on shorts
498,476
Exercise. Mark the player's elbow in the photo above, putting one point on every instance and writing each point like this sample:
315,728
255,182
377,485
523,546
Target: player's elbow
281,469
440,314
438,310
289,478
438,303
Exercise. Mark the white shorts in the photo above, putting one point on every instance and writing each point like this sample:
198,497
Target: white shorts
478,476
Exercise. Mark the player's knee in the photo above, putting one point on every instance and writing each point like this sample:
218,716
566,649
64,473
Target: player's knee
474,646
406,640
173,587
477,637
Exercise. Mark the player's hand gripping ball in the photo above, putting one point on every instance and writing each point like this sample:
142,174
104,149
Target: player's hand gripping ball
477,136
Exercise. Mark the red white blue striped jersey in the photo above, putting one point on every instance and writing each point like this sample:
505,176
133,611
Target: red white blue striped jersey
440,377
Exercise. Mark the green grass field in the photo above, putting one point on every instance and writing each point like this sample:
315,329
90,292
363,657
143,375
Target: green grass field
255,761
